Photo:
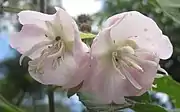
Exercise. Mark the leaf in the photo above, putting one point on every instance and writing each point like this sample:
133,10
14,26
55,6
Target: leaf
86,35
169,3
145,98
171,8
5,106
138,107
167,85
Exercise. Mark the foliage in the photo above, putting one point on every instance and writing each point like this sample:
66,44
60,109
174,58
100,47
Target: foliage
169,86
5,106
171,8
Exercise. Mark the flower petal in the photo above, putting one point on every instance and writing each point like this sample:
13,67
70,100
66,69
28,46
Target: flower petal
167,50
54,76
62,22
102,44
113,19
103,83
36,18
144,31
145,78
135,24
27,38
65,23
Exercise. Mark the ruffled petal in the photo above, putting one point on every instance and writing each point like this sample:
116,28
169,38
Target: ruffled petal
82,59
66,24
36,18
81,72
113,19
62,22
167,50
145,79
135,24
25,39
103,83
102,44
144,31
58,73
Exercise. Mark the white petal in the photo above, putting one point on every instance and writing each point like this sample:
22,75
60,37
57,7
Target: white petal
59,76
103,83
102,44
65,23
34,49
135,24
113,19
27,38
165,48
33,17
130,78
144,31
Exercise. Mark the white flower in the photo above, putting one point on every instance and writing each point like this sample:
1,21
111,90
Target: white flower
53,44
125,57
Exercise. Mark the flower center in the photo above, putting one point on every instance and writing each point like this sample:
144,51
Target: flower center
124,60
54,49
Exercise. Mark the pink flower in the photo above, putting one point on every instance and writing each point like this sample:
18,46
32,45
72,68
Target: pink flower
125,57
53,44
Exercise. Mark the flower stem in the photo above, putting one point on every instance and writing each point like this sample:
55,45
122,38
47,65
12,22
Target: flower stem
51,99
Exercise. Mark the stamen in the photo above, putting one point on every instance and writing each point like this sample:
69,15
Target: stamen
141,61
162,70
59,53
132,63
128,75
33,49
115,64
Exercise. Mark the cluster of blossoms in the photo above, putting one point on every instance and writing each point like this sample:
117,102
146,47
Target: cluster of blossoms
122,61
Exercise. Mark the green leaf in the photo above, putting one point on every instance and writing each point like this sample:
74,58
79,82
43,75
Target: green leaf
171,8
5,106
86,35
138,107
171,87
145,98
169,3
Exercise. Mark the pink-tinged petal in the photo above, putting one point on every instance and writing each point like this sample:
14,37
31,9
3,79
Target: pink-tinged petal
33,17
25,39
80,49
135,24
62,22
113,19
147,62
81,72
143,30
60,75
67,24
102,44
167,50
82,58
103,83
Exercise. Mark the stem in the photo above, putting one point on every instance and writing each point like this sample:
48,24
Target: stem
20,99
51,99
10,9
43,6
34,103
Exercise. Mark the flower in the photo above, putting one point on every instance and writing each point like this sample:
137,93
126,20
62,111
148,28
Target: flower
54,45
125,57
